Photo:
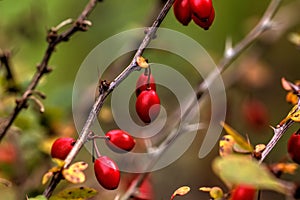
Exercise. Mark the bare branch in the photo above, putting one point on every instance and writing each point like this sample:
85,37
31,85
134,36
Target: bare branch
53,39
105,89
229,57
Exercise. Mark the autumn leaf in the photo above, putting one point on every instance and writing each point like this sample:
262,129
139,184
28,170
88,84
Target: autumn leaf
237,169
243,144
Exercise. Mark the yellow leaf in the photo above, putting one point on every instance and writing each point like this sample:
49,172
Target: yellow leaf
58,162
46,177
237,137
289,115
74,173
226,145
296,116
181,191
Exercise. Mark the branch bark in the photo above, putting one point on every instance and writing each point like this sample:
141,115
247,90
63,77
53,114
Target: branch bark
105,89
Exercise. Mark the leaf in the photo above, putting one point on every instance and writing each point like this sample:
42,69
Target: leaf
80,193
74,173
289,115
296,116
237,169
39,197
142,62
53,170
214,192
226,145
285,84
46,177
288,168
237,137
181,191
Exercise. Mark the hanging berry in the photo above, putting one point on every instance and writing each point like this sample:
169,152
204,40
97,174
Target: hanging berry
294,146
119,141
147,105
107,172
201,11
182,11
145,81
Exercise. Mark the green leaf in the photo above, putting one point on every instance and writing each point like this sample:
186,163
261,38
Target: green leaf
237,169
237,137
39,197
80,193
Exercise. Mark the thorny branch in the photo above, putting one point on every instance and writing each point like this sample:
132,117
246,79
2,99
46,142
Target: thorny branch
53,39
105,89
280,129
231,53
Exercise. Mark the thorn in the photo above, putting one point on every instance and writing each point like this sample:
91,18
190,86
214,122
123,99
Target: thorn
62,24
39,103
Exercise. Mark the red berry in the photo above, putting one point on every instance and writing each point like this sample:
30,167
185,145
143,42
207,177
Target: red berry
202,9
182,11
62,147
119,140
147,106
243,192
294,147
255,113
107,172
142,84
205,23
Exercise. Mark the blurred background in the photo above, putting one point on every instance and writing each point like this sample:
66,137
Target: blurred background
255,98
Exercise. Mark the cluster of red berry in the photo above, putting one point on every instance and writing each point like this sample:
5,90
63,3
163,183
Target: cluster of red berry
106,170
147,103
201,11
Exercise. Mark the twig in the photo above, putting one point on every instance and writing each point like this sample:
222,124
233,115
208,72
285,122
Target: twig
5,61
279,131
53,39
105,90
230,55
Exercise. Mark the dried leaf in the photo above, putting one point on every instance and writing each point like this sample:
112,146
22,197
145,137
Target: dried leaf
53,170
142,62
181,191
237,169
5,182
74,173
237,137
289,115
287,168
285,84
80,193
46,177
291,98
